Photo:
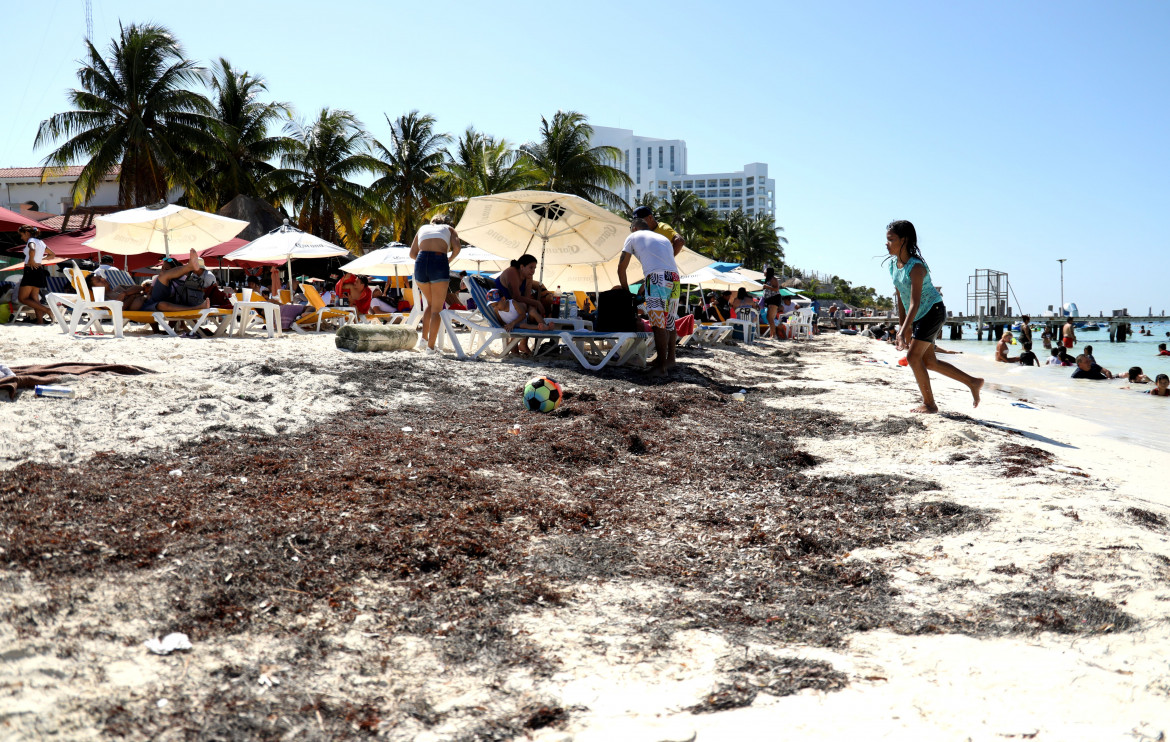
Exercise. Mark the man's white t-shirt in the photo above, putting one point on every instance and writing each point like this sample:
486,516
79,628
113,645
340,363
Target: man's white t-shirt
37,247
652,250
104,268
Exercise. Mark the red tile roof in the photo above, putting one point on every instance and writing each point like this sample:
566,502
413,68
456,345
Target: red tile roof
71,171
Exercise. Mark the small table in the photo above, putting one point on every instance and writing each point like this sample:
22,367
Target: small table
575,323
271,312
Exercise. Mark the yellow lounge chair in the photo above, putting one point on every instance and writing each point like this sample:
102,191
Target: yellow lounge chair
193,319
321,314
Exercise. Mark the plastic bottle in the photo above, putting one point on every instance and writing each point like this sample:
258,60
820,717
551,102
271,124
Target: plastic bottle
54,391
572,306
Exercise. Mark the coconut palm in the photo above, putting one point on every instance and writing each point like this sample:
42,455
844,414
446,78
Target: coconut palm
317,172
135,110
244,153
565,162
481,165
758,239
690,216
409,166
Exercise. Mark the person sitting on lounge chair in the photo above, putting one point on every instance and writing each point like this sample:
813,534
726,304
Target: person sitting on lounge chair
132,297
357,289
162,292
511,315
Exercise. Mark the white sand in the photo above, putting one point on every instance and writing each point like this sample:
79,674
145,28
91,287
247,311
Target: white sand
934,687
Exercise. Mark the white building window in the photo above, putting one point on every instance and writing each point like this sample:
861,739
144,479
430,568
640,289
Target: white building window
672,158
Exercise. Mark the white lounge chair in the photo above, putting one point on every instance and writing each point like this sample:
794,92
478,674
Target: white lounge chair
593,350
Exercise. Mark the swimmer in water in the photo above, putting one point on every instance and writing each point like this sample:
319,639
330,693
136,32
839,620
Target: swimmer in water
1001,350
1163,386
1162,350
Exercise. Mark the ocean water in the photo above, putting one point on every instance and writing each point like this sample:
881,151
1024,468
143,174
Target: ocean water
1121,413
1117,357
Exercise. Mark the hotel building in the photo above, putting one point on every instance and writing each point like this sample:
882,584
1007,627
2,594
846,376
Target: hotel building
658,166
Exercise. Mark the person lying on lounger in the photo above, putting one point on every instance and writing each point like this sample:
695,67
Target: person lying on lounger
132,297
162,296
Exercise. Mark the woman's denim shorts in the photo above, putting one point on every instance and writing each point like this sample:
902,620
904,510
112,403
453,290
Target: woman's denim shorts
431,267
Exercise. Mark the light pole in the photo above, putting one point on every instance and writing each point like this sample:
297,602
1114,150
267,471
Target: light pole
1061,261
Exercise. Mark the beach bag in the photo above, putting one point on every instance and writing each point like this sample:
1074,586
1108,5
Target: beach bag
189,291
5,313
616,312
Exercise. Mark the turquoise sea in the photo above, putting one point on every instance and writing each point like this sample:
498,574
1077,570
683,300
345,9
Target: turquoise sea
1137,350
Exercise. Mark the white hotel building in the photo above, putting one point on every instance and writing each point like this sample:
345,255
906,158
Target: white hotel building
658,166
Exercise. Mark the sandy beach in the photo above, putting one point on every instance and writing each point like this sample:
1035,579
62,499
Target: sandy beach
364,545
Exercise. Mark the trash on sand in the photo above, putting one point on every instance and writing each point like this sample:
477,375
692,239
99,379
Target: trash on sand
1021,404
407,429
162,702
515,429
169,643
176,472
739,396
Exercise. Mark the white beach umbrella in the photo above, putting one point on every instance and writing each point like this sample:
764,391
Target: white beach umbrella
285,243
721,279
590,276
568,230
164,228
382,262
748,273
482,259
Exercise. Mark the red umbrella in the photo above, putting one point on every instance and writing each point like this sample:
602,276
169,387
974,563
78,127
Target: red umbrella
10,221
214,256
70,245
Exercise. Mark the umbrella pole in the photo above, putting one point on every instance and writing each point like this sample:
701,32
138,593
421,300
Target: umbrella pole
290,281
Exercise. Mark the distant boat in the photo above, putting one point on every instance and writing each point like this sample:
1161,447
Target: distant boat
1090,327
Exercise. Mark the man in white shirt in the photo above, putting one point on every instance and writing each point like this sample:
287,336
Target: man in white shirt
662,286
107,265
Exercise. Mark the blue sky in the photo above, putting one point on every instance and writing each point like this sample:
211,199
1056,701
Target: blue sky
1011,134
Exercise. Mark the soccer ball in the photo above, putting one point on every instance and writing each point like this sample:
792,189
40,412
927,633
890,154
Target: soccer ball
542,394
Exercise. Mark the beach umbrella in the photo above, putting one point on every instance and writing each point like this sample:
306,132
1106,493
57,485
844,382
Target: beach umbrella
163,228
285,243
10,221
747,273
382,262
567,229
471,254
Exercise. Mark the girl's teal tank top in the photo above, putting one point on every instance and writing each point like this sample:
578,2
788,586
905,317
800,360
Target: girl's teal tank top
901,276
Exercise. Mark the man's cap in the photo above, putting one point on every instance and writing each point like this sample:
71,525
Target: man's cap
642,212
493,295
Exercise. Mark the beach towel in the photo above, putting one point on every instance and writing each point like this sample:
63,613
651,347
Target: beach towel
26,377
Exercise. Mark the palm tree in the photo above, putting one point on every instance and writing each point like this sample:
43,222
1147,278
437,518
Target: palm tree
409,186
757,238
482,165
133,110
242,159
316,176
690,216
565,162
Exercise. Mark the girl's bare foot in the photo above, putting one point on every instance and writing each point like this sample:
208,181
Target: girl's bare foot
925,409
975,391
657,371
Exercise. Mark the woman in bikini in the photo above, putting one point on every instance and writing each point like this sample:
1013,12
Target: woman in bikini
772,301
515,283
435,245
922,314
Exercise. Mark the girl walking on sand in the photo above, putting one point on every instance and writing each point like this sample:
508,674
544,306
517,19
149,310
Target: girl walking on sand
921,313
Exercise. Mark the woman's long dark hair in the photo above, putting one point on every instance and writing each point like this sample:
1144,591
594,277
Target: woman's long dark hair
524,259
769,274
906,231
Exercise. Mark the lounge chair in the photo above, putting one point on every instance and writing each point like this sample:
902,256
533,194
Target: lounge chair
321,314
95,312
745,329
800,324
593,350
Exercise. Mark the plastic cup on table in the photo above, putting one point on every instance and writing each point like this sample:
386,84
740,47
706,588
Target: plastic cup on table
99,293
247,294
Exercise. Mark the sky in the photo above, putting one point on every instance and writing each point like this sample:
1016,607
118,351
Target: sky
1011,133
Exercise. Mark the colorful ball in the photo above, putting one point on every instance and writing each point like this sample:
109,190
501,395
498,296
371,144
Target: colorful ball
542,394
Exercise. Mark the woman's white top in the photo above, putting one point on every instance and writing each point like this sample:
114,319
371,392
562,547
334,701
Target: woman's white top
36,247
434,232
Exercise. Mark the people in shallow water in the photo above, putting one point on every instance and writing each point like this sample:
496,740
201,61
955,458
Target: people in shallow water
1001,350
1135,376
1088,370
1162,386
1162,350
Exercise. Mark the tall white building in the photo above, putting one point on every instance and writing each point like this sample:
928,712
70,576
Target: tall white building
658,166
